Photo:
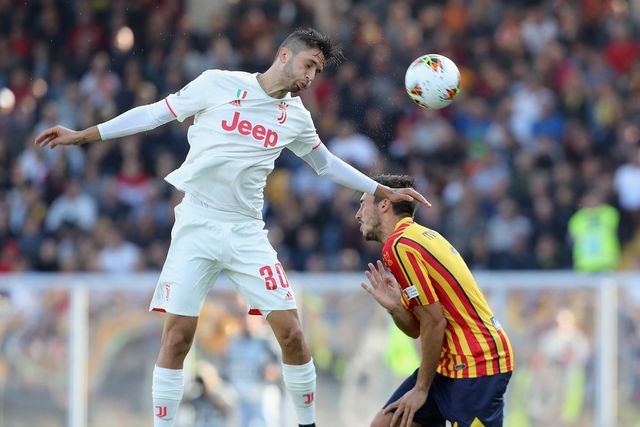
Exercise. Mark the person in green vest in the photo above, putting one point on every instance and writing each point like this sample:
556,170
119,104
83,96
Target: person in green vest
594,232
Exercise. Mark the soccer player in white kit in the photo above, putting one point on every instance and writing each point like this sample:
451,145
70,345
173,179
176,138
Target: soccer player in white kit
242,123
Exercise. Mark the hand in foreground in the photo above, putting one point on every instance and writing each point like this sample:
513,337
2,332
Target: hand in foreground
401,194
59,135
406,407
384,288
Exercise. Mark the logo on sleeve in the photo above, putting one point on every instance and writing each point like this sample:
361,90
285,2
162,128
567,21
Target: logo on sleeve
411,292
496,323
283,112
178,93
240,95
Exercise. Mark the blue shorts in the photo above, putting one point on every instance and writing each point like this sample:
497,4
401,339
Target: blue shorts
460,400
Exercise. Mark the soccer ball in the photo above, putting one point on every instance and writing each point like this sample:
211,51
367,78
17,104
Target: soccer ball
432,81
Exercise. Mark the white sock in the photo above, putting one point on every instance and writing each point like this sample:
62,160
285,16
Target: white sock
167,388
300,381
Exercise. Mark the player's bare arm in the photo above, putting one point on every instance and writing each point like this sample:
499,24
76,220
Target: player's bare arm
432,327
386,291
136,120
59,135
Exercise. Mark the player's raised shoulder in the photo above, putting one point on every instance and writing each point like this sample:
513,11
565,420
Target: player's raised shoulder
296,103
223,81
213,73
216,74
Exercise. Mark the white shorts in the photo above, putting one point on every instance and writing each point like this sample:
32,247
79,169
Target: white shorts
205,242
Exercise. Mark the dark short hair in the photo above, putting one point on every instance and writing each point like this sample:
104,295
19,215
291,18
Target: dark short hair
309,38
399,181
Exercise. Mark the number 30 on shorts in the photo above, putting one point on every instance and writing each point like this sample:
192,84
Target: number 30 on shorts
267,273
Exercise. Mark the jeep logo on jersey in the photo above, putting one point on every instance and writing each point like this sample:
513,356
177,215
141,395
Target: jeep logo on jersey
245,127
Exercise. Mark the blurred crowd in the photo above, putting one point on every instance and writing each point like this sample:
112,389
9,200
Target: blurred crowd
546,127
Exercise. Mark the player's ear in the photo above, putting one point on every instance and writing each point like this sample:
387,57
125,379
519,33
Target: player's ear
283,54
385,205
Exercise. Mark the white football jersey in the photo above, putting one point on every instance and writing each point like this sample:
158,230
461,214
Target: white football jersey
237,134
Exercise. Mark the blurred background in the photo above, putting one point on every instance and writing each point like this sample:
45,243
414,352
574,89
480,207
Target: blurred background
535,166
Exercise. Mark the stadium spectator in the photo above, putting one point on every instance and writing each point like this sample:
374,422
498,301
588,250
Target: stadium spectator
594,231
74,206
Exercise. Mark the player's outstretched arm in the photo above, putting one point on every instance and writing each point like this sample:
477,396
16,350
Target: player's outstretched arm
327,164
137,120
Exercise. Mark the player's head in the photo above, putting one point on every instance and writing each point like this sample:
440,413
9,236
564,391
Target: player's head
304,54
374,212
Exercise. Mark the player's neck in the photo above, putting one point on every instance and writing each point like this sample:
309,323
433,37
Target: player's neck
271,85
388,226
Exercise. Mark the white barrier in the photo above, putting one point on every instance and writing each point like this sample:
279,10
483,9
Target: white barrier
604,288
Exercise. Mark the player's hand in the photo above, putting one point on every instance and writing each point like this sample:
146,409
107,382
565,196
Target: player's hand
406,407
401,194
384,287
59,135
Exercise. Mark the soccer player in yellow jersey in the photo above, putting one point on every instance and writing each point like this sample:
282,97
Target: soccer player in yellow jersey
467,358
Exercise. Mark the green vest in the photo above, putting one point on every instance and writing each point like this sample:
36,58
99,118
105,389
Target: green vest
401,355
594,232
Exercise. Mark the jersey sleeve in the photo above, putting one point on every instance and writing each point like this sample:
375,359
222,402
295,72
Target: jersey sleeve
307,140
406,265
196,96
339,171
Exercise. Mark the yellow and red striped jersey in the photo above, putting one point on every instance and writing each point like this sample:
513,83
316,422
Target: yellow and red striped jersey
429,269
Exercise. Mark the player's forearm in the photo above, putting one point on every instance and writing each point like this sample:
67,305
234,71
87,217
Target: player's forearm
89,135
405,321
328,165
431,338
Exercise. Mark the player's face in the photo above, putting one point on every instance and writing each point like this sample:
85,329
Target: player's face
302,68
369,218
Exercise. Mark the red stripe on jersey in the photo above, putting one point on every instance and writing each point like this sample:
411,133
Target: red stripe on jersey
455,286
423,280
170,109
507,352
254,312
398,231
317,145
161,310
469,336
467,333
395,269
456,343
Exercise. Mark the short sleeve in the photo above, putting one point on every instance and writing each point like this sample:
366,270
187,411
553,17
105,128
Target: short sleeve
194,97
307,140
407,266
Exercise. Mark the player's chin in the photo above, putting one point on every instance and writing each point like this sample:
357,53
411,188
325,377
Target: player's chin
298,87
369,235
